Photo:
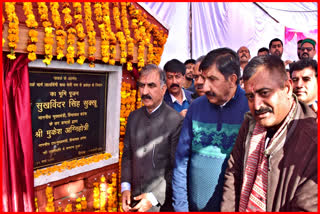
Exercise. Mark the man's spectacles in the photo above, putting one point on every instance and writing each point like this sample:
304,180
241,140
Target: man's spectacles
307,48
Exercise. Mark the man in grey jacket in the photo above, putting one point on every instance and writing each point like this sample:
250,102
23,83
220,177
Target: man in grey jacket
149,146
273,165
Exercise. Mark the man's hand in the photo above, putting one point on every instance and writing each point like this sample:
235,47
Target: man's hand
126,201
183,112
144,205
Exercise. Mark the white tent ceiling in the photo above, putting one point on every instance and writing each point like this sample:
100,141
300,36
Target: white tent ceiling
232,24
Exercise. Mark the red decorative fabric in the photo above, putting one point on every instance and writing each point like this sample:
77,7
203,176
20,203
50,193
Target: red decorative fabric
289,34
17,147
254,189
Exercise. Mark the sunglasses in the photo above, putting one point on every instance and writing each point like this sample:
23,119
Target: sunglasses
307,48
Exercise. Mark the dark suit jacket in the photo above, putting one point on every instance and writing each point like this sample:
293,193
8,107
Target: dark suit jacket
168,100
148,153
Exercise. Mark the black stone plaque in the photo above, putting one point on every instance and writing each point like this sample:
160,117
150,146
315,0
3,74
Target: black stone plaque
68,115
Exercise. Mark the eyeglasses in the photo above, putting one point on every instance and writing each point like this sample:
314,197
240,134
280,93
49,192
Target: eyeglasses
307,48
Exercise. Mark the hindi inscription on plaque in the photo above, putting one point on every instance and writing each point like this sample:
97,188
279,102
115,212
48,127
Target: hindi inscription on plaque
68,115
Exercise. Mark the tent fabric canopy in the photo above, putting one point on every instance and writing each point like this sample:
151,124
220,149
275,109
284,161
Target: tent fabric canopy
234,24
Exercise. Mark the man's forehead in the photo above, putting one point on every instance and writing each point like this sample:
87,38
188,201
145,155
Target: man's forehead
309,71
148,81
256,81
151,76
212,70
276,43
243,48
173,73
307,44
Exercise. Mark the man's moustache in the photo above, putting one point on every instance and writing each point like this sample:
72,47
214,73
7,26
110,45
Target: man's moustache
209,93
174,85
146,96
263,110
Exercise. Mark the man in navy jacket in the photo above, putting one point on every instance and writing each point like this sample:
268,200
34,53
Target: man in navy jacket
176,96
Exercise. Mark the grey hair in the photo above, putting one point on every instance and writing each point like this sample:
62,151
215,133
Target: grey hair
273,64
152,67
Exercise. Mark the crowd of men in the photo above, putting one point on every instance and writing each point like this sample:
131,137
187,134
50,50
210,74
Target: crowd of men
225,132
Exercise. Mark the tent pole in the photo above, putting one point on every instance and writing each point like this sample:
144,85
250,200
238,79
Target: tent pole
265,11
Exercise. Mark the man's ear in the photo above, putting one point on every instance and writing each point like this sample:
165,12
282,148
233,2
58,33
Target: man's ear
233,78
163,88
289,88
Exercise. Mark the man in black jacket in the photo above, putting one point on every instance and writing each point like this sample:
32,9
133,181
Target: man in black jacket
149,146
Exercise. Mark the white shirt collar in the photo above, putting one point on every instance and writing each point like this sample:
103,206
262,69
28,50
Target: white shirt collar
156,108
175,100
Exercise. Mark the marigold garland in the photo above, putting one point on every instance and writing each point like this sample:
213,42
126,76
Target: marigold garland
112,194
71,164
159,40
36,204
155,50
129,66
139,33
139,104
111,36
146,35
60,32
105,55
91,33
71,33
84,203
68,207
80,32
78,205
50,203
127,32
121,145
159,37
33,34
13,30
150,53
48,37
120,35
103,194
3,20
96,195
59,208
